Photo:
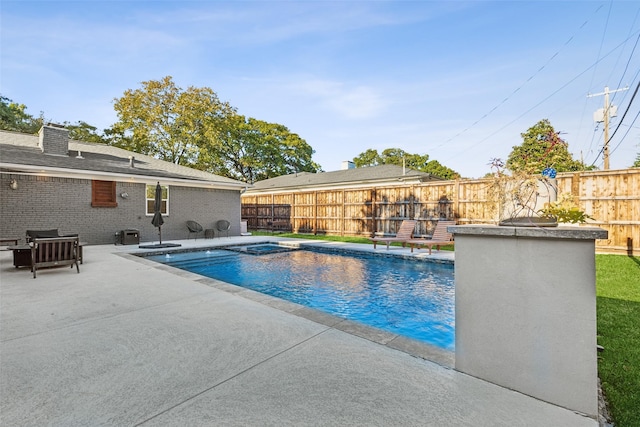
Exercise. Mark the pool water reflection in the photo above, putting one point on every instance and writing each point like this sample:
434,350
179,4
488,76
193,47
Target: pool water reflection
413,298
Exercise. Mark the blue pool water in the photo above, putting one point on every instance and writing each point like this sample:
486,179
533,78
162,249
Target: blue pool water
407,297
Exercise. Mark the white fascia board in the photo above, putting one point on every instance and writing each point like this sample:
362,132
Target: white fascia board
20,169
351,185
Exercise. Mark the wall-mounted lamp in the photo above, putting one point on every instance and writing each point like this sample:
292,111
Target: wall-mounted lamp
124,195
14,184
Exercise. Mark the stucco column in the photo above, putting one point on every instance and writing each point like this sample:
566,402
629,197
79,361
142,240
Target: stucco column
526,310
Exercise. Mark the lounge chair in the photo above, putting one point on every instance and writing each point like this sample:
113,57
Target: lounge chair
54,252
223,226
405,232
194,228
439,238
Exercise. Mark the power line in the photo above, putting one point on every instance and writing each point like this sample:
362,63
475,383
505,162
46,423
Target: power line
632,52
522,85
604,33
606,115
604,147
549,96
594,70
627,132
625,111
635,77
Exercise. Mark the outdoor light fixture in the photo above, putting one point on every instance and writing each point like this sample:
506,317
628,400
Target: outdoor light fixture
14,184
124,195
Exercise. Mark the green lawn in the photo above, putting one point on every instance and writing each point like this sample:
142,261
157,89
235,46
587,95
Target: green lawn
332,238
618,311
618,293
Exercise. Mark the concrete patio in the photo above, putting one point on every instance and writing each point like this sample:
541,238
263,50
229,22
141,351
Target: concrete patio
131,342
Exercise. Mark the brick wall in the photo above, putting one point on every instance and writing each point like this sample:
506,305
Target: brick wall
65,203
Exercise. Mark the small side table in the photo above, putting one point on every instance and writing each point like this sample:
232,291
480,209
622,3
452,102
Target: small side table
21,255
209,233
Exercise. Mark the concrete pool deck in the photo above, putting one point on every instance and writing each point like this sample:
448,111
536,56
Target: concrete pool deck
132,342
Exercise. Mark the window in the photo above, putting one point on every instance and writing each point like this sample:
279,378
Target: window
103,194
151,196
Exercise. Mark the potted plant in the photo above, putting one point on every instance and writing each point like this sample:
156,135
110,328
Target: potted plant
564,210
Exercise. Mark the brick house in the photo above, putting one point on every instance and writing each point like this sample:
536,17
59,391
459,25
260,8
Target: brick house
96,190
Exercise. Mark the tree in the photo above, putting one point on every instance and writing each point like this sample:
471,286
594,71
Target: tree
542,148
251,150
367,158
636,164
397,156
167,122
82,131
391,156
435,168
14,117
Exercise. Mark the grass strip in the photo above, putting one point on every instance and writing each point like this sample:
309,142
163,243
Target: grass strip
346,239
618,302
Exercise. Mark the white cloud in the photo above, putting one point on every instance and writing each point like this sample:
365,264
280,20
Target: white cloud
348,102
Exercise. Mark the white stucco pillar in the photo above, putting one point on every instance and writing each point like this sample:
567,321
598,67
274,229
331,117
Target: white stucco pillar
526,310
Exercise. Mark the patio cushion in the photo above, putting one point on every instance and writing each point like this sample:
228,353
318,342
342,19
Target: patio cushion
42,234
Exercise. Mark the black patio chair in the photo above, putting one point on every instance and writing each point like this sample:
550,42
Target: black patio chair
194,228
223,226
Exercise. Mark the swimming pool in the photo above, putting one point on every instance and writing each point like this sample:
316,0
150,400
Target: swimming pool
412,298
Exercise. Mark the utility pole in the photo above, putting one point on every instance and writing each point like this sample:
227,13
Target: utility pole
603,115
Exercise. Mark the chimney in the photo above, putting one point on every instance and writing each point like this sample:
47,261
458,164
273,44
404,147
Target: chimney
132,161
348,164
54,140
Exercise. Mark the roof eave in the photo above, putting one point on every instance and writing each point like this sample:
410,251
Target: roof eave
333,186
146,179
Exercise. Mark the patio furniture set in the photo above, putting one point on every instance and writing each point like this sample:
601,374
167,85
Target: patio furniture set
221,226
46,248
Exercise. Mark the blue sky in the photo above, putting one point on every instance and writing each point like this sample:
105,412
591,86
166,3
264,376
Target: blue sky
459,81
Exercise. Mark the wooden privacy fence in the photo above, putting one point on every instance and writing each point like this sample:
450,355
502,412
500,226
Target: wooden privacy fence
612,198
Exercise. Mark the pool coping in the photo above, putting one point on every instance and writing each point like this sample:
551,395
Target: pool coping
398,342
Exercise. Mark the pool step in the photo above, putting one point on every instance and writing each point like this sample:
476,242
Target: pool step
208,259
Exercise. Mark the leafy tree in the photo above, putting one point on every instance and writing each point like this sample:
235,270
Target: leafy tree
14,117
118,138
396,156
82,131
541,148
636,164
167,122
367,158
435,168
251,150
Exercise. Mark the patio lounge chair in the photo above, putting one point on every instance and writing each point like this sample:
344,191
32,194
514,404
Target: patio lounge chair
405,232
439,238
223,226
194,228
54,252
